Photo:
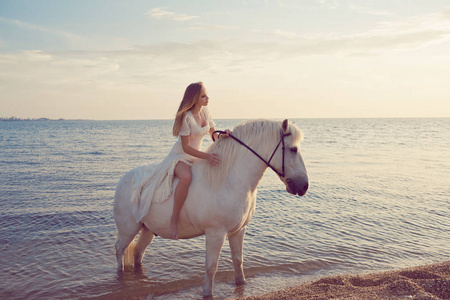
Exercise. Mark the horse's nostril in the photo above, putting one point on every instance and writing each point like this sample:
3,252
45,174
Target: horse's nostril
305,187
291,185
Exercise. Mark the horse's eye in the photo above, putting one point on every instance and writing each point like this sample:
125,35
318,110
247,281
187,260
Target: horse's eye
294,149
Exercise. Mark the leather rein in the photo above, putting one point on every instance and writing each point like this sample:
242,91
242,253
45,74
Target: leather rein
282,136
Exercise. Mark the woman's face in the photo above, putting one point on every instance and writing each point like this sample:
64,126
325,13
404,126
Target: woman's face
203,99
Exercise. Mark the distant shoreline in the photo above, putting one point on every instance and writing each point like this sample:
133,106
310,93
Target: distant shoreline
14,119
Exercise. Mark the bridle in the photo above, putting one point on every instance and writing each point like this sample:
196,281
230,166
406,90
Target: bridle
282,136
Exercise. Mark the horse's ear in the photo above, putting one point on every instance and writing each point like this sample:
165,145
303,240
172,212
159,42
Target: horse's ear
285,125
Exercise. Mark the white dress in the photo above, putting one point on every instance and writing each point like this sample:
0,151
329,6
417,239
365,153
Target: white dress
158,186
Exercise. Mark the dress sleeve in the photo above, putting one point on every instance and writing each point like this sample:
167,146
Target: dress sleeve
208,117
185,127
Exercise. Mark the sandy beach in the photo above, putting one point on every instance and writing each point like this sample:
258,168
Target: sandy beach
423,282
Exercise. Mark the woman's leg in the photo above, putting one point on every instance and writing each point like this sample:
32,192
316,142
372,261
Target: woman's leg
183,172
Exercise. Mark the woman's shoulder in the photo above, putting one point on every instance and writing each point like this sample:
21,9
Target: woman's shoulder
188,115
188,118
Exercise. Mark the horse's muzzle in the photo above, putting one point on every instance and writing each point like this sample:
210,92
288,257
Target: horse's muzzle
297,188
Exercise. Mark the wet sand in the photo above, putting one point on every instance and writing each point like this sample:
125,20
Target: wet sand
423,282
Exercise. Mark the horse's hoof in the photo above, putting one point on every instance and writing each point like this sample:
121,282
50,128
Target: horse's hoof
120,274
240,282
207,294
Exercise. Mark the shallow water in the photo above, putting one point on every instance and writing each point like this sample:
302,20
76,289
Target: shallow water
378,200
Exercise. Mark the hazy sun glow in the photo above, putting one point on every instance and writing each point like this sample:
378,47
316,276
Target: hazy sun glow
273,59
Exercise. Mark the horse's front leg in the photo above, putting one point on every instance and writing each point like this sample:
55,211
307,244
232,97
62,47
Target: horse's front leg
214,243
236,245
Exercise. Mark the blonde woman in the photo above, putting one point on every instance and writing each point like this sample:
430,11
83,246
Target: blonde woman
192,123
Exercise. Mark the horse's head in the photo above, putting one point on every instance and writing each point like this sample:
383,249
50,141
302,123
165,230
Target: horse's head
295,175
259,138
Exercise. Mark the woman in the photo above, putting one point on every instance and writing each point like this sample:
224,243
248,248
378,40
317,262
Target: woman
192,123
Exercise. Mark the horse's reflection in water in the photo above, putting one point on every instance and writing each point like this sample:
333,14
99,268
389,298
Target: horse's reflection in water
131,274
239,290
130,282
221,200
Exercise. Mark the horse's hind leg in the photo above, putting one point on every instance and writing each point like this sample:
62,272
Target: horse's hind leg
236,244
124,241
145,238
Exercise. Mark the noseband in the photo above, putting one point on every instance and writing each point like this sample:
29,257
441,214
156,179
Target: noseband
282,136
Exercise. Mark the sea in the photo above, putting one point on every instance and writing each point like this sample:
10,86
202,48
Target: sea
378,200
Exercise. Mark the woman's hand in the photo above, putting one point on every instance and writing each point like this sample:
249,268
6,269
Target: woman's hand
213,159
226,134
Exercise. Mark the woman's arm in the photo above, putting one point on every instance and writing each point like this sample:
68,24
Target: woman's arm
187,148
211,133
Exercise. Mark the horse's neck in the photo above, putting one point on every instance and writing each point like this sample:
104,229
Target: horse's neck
247,172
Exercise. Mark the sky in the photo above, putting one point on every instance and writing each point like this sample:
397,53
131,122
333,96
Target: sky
126,60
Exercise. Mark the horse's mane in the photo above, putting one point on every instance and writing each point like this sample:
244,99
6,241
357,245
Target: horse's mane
257,134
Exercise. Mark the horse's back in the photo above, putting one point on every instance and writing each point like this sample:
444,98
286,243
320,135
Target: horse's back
124,189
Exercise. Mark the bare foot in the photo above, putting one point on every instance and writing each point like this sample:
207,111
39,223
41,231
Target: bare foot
173,233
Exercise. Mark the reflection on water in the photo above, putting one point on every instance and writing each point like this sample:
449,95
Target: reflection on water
378,199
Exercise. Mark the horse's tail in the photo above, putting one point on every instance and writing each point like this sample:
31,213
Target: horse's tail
129,254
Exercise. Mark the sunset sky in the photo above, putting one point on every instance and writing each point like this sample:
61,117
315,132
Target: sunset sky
99,59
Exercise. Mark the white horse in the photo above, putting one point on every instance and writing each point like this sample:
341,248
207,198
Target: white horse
221,200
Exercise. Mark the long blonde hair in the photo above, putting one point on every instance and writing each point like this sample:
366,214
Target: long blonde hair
191,95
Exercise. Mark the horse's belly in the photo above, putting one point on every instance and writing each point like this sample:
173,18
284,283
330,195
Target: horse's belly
220,210
158,221
203,209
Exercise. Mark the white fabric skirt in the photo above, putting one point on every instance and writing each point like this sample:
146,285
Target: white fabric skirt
154,183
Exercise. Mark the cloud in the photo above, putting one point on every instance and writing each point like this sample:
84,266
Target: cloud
60,39
429,22
33,27
370,11
210,27
330,4
162,13
278,33
285,34
151,64
446,14
407,34
42,69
